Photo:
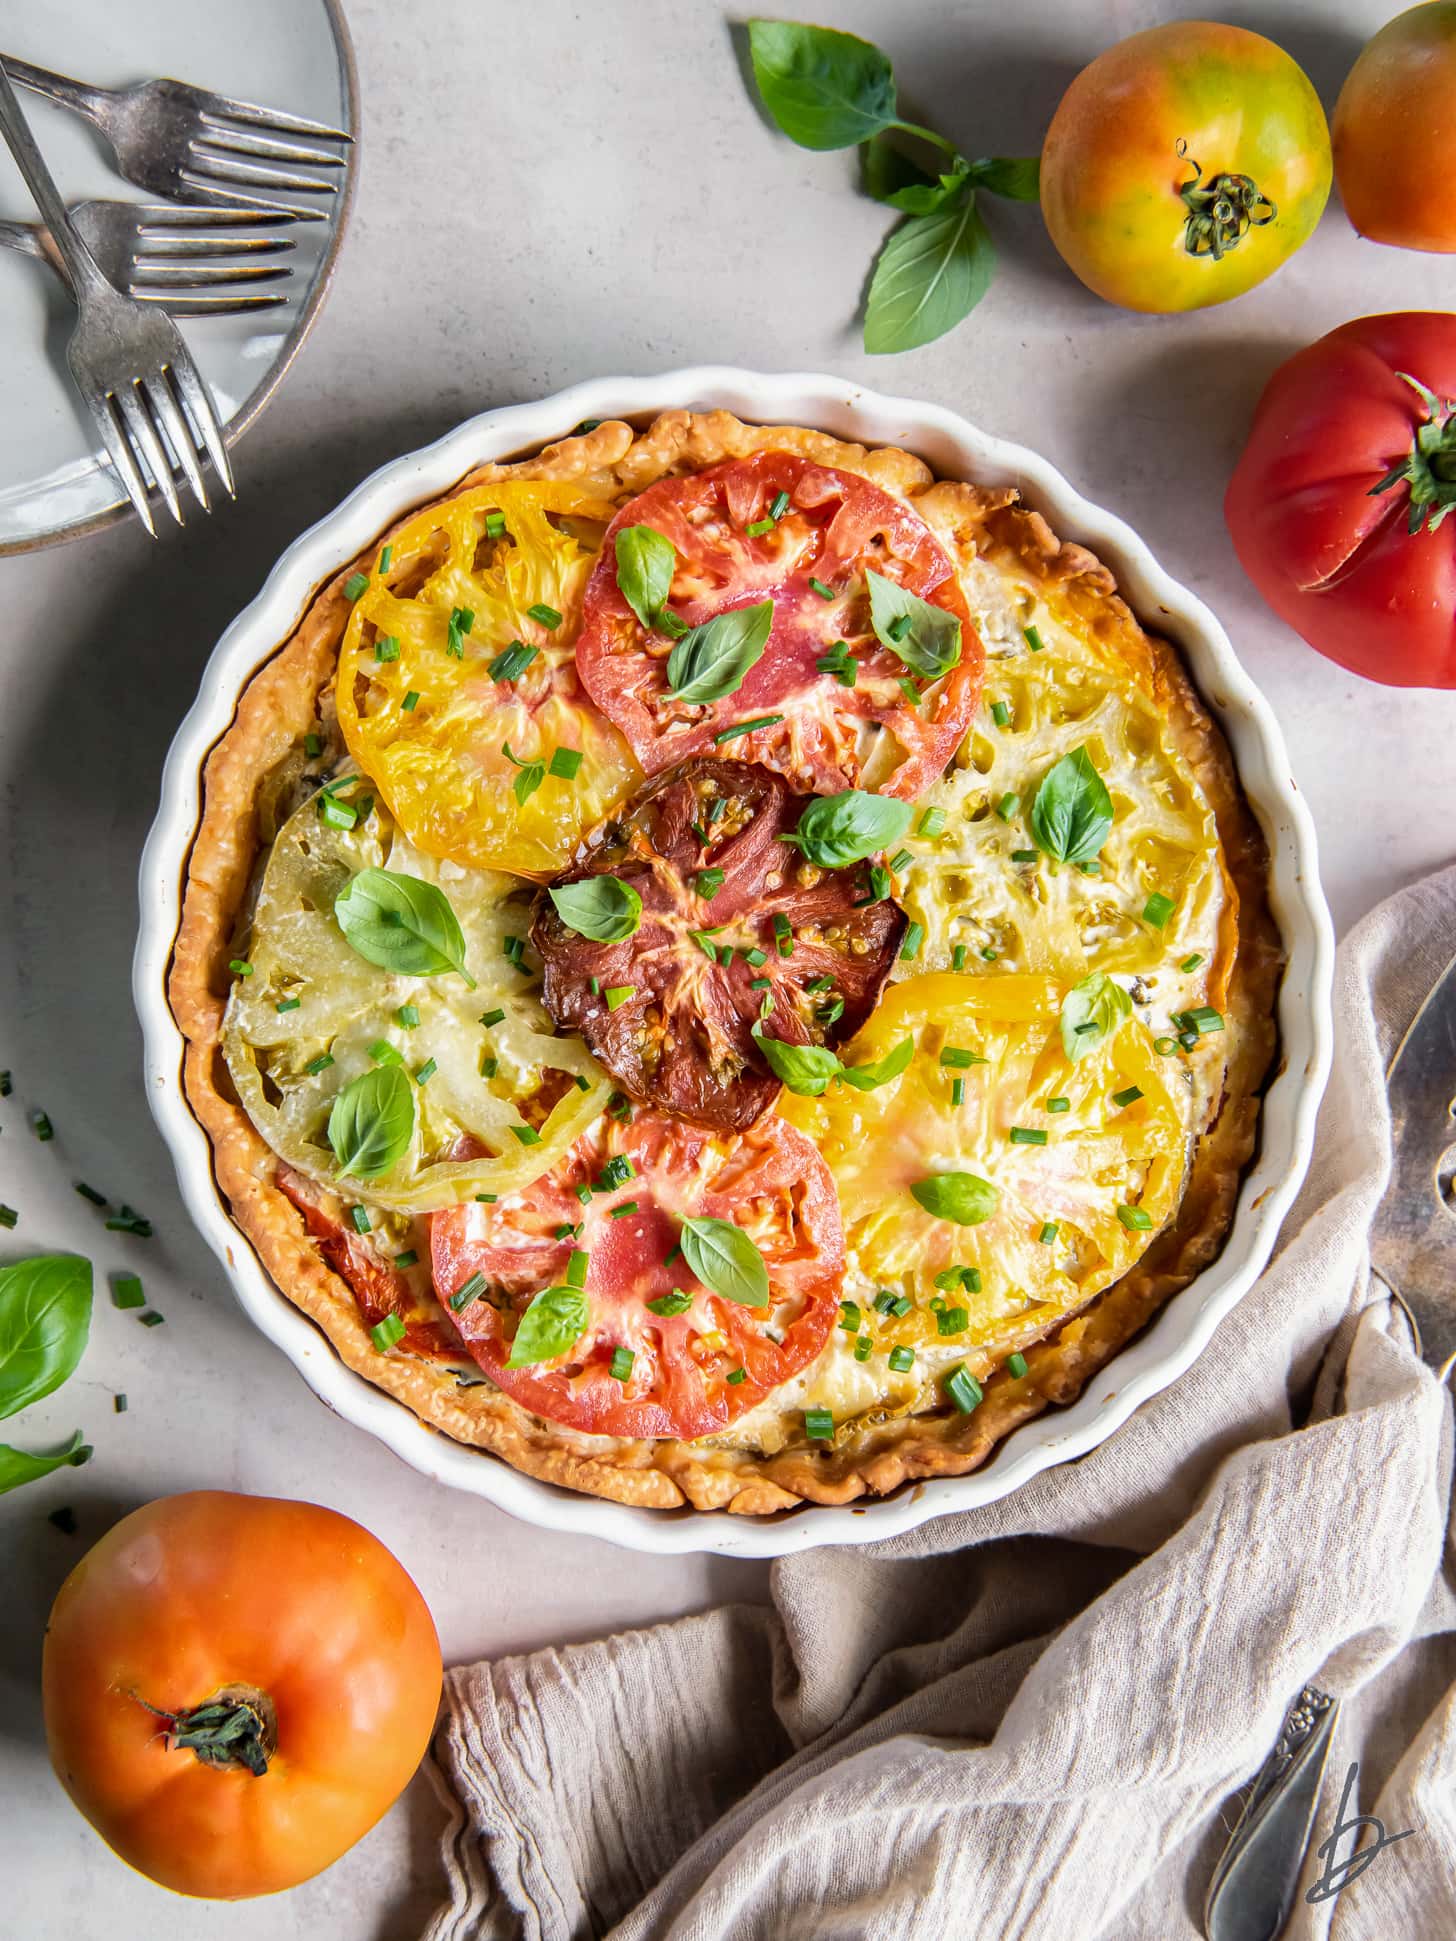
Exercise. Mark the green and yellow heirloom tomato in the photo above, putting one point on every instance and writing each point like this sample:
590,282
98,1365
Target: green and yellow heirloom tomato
1185,165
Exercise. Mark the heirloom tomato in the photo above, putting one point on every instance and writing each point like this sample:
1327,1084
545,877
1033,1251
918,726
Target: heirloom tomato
1184,166
1338,507
236,1688
1393,126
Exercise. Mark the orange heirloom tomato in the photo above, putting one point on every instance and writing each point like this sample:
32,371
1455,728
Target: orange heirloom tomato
1394,125
236,1688
1184,166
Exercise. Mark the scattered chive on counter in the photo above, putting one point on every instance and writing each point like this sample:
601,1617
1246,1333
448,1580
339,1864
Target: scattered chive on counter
8,1216
151,1319
41,1126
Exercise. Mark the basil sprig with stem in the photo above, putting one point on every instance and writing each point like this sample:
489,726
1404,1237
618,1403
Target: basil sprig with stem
1091,1012
837,830
646,560
553,1323
600,907
401,923
832,90
926,638
45,1320
372,1122
1071,816
726,1261
713,660
809,1070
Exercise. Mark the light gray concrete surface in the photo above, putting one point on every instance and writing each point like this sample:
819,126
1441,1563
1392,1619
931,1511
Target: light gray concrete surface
549,192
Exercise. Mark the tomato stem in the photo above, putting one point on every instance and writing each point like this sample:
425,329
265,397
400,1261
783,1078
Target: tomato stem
237,1726
1222,210
1429,467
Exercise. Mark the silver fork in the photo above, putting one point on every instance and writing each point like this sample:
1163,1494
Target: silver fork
130,364
191,145
187,259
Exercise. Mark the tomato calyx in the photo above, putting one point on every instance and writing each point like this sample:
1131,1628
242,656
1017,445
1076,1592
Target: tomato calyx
1222,210
236,1727
1429,467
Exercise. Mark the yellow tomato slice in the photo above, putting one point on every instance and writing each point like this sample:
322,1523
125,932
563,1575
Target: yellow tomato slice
431,724
1099,1156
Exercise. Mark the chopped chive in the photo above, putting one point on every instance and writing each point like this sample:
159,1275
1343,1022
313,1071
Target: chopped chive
914,938
953,1320
621,1212
337,815
900,1306
360,1216
355,584
409,1258
312,746
384,1053
958,957
959,1058
884,1300
902,859
6,1085
1192,962
564,763
126,1291
755,957
410,702
486,1199
384,559
511,662
319,1064
1048,1233
705,944
594,985
1058,1105
760,983
899,627
863,1348
41,1126
151,1319
747,727
1128,1097
408,1015
128,1220
758,527
494,1016
958,1091
1158,909
386,1333
495,525
288,1004
617,1171
736,1375
467,1293
489,1066
527,1135
902,1360
1016,1365
783,935
618,995
963,1388
779,506
818,1425
1008,805
880,884
8,1216
90,1193
931,824
990,955
669,1304
1165,1047
1033,639
620,1368
426,1072
576,1267
708,882
1135,1219
514,950
1027,1136
239,966
545,616
386,647
583,1192
462,619
118,1403
908,688
824,592
849,1316
1201,1021
1024,855
1001,714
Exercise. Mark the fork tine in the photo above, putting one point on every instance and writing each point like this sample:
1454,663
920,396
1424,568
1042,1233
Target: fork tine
221,104
240,139
119,452
255,175
184,304
141,434
162,218
193,393
191,274
168,414
192,248
225,198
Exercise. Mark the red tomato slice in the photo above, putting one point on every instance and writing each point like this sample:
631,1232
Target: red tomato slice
378,1290
836,526
682,1039
770,1181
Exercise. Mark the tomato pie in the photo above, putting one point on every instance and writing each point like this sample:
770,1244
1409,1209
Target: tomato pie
724,970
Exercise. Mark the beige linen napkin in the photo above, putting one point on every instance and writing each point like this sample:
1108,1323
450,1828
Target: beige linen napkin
1031,1720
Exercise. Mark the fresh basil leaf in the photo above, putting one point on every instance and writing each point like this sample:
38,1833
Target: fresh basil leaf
646,561
45,1317
553,1323
960,1197
401,923
930,644
17,1466
933,271
1072,813
726,1260
824,89
836,830
1091,1012
712,661
805,1069
865,1078
599,907
372,1122
926,199
1017,177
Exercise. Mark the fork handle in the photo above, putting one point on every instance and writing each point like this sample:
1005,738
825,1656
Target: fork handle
60,88
23,236
80,264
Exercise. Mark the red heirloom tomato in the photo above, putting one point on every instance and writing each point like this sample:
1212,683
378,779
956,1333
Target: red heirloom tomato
236,1688
1393,128
1184,166
831,725
1338,507
701,1359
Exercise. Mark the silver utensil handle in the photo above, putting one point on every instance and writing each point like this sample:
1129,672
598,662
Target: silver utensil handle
1253,1885
60,88
80,264
22,236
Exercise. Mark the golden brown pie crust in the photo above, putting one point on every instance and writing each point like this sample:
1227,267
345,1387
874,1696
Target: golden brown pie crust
287,698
